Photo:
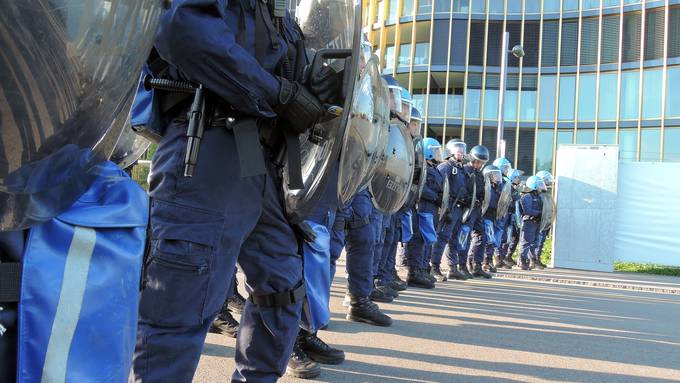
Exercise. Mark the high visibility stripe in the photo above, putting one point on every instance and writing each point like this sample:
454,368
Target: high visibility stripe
70,303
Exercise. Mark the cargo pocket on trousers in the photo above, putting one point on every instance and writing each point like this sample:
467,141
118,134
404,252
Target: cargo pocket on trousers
179,266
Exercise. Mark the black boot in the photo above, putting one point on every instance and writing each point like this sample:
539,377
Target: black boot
524,264
318,350
398,281
478,271
509,261
396,286
416,278
224,323
236,303
465,271
539,265
361,309
301,366
488,266
381,295
426,274
455,273
500,263
436,272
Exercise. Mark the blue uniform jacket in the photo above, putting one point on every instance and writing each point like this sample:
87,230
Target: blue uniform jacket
213,42
531,205
469,171
432,191
457,183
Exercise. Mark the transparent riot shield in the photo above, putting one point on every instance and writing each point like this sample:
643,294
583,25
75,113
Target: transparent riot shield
549,210
391,182
504,201
69,72
467,211
129,148
419,172
332,30
446,194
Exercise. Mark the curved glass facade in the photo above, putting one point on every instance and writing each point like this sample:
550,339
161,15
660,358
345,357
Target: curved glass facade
595,71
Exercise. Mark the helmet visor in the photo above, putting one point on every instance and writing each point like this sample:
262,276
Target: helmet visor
395,100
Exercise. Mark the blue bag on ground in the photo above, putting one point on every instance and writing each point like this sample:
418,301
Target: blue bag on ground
80,286
317,274
427,230
406,227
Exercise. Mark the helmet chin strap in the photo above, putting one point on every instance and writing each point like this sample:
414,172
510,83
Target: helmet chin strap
398,117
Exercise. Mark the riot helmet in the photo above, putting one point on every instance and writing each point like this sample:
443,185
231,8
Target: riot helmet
432,149
546,177
395,93
406,105
504,165
535,183
493,174
513,177
457,149
479,156
416,122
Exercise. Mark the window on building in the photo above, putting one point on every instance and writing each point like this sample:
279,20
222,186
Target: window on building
442,7
630,95
673,92
489,140
454,106
425,7
551,6
532,30
610,3
380,11
568,52
610,39
407,8
608,92
405,55
546,93
435,105
674,31
389,56
544,149
532,6
514,7
494,41
589,41
651,93
510,100
491,97
461,6
458,42
392,11
525,150
528,98
422,54
606,136
587,94
632,23
565,137
650,144
496,6
654,33
671,145
549,52
476,54
591,4
627,144
514,28
440,38
478,6
419,99
570,5
585,136
567,98
473,96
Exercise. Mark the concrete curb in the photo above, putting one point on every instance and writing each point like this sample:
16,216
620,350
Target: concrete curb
588,283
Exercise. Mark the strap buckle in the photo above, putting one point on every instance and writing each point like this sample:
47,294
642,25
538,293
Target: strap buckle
281,299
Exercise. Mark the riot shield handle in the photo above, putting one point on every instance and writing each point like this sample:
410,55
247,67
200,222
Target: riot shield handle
320,56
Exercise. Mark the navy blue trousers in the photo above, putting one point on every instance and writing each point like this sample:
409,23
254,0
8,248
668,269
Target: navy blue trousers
359,246
447,235
200,227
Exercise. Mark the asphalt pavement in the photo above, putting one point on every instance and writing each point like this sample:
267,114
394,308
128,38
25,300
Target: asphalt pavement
499,330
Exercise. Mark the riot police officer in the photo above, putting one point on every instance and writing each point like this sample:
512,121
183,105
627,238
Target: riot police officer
479,156
424,232
493,227
531,207
449,226
250,63
549,181
511,234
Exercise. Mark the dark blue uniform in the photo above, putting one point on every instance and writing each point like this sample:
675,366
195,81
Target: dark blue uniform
448,228
491,215
511,234
476,220
201,225
532,208
428,203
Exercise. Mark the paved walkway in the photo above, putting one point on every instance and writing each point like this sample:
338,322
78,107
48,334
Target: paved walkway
501,330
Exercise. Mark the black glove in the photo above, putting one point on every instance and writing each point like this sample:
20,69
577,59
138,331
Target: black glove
299,108
327,85
448,217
